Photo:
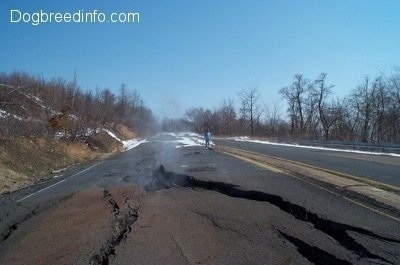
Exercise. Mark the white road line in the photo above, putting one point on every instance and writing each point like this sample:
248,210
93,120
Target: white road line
61,181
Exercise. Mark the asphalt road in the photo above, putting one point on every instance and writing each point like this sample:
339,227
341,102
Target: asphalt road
158,204
381,168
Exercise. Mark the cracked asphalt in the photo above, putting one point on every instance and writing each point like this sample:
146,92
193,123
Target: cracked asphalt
158,204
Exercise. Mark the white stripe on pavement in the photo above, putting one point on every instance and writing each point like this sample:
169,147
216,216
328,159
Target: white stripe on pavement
55,184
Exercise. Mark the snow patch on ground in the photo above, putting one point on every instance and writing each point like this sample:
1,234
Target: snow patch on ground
4,114
128,144
112,135
185,139
247,139
132,143
188,139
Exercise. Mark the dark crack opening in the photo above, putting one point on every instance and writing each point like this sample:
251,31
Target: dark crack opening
312,253
8,231
122,226
338,231
12,226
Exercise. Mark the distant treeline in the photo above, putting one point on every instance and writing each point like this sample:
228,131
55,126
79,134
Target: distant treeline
370,113
33,106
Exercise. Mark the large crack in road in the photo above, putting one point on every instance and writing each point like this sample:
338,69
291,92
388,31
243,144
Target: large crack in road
338,231
13,225
124,215
360,189
122,226
313,253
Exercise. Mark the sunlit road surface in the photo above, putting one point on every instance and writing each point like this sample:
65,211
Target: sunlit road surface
380,167
171,201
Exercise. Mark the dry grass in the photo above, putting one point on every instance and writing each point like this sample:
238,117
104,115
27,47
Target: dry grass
77,151
25,161
124,132
11,180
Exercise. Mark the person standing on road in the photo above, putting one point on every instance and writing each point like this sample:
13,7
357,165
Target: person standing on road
207,137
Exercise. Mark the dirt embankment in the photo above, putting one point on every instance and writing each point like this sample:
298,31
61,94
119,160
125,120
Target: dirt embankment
24,161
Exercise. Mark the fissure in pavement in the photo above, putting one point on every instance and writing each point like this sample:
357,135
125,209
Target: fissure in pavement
338,231
13,225
122,226
312,253
8,231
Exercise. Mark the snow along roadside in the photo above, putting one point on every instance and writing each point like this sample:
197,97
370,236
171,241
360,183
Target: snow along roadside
246,139
128,144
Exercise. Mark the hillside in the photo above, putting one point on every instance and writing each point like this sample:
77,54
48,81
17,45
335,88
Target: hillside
24,161
48,126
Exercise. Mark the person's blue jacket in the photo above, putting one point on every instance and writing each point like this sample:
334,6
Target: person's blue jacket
207,135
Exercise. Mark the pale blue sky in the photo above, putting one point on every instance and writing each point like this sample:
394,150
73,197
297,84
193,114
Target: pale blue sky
187,53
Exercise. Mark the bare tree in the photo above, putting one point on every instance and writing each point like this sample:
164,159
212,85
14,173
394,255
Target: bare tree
294,94
200,119
227,116
272,118
362,103
393,83
250,110
327,114
381,102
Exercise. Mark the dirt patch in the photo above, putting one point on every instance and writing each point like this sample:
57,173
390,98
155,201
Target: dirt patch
78,151
124,132
103,142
